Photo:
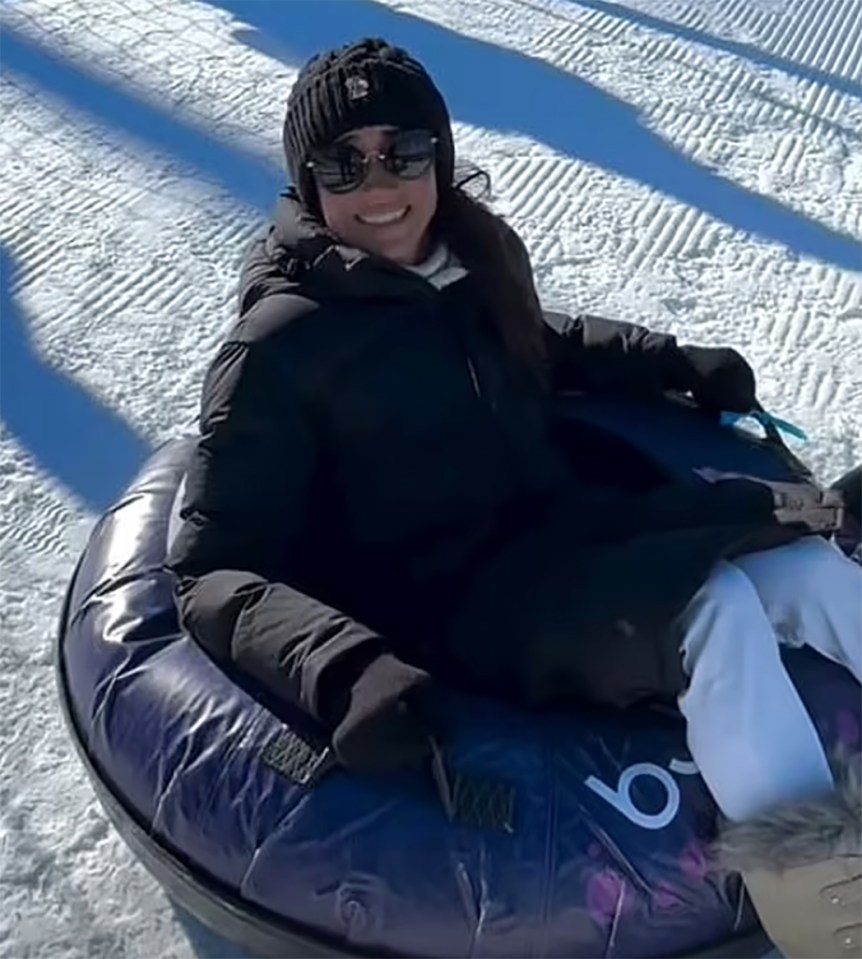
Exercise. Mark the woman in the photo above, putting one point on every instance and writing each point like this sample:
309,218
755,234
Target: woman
377,494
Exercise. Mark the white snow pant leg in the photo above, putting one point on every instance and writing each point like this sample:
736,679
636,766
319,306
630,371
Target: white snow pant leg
812,594
748,731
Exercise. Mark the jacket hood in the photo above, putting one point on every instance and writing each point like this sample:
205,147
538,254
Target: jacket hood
299,255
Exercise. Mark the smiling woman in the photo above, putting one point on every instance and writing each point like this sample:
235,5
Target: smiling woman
377,190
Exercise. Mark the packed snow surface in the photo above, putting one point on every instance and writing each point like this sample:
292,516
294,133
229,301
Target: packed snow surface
694,165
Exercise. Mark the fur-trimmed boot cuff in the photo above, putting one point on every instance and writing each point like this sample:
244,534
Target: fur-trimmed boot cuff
802,867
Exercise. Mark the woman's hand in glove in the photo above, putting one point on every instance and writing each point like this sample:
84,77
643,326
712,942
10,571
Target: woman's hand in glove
388,722
720,379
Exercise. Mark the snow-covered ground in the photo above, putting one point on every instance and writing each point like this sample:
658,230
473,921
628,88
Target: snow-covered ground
695,165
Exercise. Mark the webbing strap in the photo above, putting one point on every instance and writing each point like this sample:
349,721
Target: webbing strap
483,803
474,801
297,759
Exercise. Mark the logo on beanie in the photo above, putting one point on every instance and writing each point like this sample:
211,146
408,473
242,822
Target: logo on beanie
357,87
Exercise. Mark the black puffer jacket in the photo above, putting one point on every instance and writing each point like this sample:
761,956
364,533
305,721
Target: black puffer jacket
369,456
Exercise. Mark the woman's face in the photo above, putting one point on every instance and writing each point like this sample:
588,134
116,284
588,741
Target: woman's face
386,215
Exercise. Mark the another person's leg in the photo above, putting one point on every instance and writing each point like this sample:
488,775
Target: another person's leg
812,594
796,838
748,731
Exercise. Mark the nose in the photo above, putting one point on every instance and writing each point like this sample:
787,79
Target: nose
377,176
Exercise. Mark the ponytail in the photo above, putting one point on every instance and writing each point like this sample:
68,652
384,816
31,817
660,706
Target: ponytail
495,255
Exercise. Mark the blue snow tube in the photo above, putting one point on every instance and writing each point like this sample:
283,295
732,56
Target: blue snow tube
571,834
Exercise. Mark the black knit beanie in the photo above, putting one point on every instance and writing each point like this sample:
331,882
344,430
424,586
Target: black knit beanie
365,83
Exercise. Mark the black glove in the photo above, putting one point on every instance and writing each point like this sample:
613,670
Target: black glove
388,722
850,487
720,379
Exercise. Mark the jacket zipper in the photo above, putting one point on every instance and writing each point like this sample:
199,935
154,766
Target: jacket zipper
471,366
474,377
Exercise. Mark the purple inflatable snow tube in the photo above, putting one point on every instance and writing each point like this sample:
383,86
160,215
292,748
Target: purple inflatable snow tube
572,834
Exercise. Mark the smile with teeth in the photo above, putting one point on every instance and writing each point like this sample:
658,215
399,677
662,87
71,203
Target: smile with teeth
382,219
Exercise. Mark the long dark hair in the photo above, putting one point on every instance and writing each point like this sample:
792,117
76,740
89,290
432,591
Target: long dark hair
495,255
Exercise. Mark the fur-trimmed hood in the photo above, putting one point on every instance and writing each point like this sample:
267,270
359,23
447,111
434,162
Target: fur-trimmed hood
801,833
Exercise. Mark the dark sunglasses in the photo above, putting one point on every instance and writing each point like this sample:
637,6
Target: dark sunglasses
343,167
